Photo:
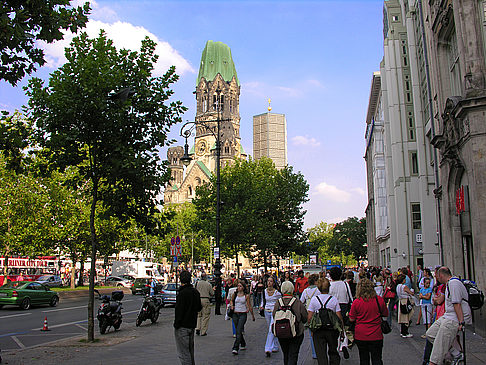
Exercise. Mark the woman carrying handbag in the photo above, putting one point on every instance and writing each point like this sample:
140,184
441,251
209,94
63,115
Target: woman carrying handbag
367,311
405,308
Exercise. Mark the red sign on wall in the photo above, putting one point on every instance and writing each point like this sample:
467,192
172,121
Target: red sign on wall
460,202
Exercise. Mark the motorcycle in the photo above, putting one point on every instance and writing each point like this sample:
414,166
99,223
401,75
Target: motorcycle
109,312
150,309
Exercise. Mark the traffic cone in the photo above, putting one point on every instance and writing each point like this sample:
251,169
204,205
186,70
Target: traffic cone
45,328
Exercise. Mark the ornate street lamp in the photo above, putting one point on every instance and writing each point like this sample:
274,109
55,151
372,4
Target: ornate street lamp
186,132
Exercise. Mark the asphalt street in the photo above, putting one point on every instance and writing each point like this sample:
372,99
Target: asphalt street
20,329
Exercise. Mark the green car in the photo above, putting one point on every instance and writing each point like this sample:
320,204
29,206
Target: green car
27,293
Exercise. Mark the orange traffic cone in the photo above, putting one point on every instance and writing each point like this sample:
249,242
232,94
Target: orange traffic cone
45,328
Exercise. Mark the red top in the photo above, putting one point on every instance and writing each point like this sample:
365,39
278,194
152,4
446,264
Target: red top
301,284
368,318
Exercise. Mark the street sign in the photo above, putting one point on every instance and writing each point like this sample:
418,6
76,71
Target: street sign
329,262
291,261
216,253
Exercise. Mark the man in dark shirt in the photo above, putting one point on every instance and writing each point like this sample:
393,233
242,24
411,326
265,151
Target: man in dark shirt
188,304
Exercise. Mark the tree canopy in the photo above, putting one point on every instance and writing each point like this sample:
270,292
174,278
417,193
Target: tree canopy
261,213
24,23
105,113
349,238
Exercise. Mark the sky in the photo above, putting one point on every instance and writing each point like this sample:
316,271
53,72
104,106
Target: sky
314,59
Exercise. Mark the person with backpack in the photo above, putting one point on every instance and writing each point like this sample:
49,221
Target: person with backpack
326,337
367,311
310,292
289,316
240,305
270,296
443,332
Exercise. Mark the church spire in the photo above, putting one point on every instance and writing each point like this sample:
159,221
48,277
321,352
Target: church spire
216,58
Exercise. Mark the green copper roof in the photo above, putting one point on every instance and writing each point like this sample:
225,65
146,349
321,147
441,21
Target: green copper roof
216,58
242,150
204,168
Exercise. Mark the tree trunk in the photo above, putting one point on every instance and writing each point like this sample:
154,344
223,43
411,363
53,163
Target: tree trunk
265,261
81,271
92,272
237,266
73,273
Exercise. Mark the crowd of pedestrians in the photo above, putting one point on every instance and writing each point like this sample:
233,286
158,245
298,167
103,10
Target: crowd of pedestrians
338,309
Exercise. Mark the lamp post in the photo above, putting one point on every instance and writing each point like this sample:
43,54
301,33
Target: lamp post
186,132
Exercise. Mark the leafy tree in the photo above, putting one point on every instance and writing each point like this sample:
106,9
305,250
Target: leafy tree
15,137
349,238
113,138
185,222
320,237
262,211
24,23
69,210
24,219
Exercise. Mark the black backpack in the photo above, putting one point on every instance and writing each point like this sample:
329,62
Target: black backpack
475,297
325,316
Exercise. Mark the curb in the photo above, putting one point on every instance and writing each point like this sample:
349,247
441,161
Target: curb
85,292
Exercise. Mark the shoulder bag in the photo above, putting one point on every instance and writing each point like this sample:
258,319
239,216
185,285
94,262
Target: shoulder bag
385,326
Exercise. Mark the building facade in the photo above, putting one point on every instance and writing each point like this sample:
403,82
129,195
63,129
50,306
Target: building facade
455,34
270,138
433,94
399,154
378,229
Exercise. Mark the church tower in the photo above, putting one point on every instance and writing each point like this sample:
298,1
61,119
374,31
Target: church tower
217,96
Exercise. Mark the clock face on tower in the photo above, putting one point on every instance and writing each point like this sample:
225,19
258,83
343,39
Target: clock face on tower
201,147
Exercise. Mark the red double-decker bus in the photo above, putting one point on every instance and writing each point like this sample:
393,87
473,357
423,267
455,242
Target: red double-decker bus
21,268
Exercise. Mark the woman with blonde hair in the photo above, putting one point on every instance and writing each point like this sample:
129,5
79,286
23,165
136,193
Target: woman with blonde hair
367,311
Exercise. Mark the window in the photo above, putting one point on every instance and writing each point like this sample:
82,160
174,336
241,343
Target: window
411,129
416,216
395,18
414,170
454,69
226,149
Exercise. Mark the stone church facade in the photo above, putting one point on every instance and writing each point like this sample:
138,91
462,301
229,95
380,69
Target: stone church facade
217,97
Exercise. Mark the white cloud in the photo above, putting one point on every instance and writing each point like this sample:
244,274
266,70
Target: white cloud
124,35
315,83
359,191
332,192
305,141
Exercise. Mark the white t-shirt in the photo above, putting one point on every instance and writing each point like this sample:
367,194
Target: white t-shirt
333,303
271,300
240,304
308,294
340,290
402,294
456,293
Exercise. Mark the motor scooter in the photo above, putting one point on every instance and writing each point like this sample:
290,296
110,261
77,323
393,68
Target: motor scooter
109,311
150,309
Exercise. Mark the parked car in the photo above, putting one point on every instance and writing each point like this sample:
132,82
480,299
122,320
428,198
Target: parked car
51,281
168,293
118,282
128,277
27,293
142,286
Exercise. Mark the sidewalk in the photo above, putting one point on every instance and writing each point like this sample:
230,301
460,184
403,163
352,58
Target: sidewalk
154,344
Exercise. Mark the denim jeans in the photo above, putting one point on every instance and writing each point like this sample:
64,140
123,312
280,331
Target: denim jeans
184,338
239,320
391,304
